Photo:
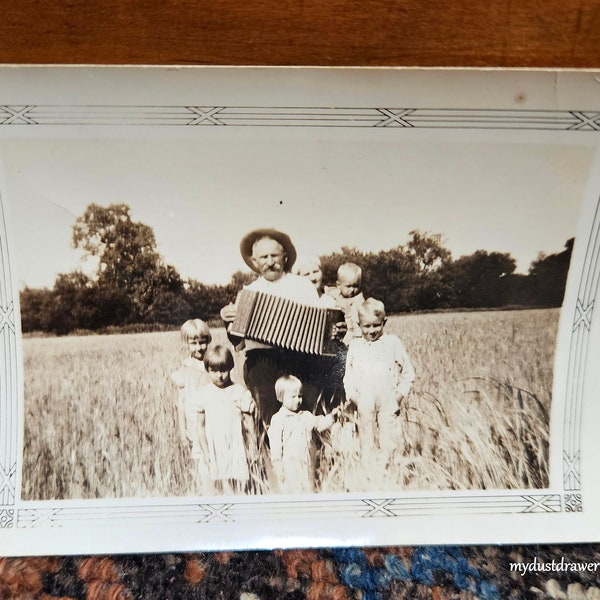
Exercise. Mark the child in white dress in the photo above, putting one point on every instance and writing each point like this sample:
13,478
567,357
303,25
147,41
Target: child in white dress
226,413
290,438
190,378
378,375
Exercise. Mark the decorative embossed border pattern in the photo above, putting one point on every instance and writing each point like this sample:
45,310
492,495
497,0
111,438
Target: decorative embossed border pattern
8,384
582,321
244,510
247,510
262,116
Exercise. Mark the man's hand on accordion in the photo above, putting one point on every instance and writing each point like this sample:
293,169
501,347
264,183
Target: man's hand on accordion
228,313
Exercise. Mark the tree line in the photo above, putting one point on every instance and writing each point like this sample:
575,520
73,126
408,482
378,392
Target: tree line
132,286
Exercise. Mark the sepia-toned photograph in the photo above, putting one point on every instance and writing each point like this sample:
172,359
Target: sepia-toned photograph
288,308
247,314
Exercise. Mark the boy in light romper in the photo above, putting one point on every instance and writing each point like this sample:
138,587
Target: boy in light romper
379,374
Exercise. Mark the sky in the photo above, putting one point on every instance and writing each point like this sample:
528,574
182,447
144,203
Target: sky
358,189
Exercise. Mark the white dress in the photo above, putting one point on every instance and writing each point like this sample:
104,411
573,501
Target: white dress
223,409
190,378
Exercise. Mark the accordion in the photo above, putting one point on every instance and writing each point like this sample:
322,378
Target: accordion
285,323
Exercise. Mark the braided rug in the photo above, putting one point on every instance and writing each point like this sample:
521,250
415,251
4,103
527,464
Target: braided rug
420,572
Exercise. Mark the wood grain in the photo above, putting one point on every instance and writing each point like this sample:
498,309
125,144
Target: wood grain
527,33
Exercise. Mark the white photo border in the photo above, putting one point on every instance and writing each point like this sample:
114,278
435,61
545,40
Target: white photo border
16,514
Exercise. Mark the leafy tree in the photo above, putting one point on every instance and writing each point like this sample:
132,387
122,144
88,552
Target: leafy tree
520,290
77,303
482,278
36,307
206,301
132,283
170,308
427,250
123,248
390,276
406,277
69,308
548,276
431,286
128,262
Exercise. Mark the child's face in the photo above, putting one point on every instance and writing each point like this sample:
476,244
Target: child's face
197,346
314,273
292,398
349,285
371,326
221,378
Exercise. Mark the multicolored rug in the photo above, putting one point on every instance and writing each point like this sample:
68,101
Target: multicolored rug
422,572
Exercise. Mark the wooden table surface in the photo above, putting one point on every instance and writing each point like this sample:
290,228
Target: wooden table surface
519,33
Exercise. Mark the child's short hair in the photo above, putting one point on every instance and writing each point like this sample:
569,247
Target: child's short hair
372,307
195,328
284,383
349,270
304,261
218,358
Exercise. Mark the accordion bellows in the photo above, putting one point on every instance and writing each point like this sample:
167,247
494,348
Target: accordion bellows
285,323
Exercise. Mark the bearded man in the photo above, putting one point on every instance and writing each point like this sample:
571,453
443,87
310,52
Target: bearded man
271,254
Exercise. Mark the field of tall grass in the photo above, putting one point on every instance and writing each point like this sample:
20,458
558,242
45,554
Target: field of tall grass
100,416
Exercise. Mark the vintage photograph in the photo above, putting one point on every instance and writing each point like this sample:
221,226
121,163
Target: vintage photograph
328,312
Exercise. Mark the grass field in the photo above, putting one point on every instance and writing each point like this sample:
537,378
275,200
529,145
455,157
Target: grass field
100,416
